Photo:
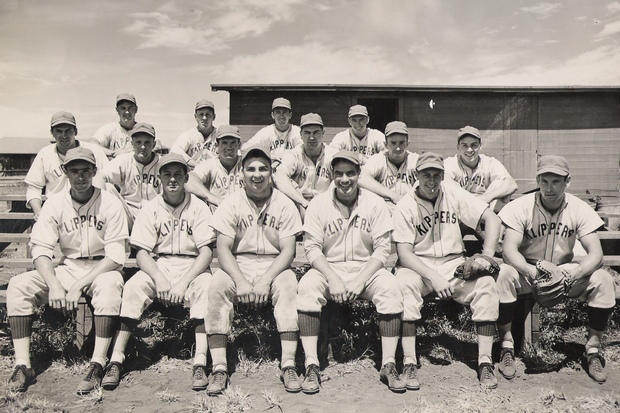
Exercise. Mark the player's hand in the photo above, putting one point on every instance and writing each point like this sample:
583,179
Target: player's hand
162,285
396,198
73,297
338,291
57,297
245,292
442,287
36,215
261,292
176,295
532,273
354,289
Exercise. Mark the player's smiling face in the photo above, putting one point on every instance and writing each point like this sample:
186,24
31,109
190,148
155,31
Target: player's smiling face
281,117
126,112
142,146
173,178
429,183
312,135
64,135
397,147
359,125
552,188
346,174
204,118
228,148
469,150
80,175
256,176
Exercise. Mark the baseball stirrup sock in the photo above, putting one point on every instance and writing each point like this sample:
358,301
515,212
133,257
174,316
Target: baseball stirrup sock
409,329
598,317
309,323
506,313
485,328
199,327
217,341
389,325
289,336
105,326
21,326
128,324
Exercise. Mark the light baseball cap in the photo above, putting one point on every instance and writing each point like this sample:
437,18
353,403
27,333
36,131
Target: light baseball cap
281,103
171,158
468,130
311,119
227,131
142,127
358,110
126,96
429,160
79,154
262,151
62,118
553,164
396,127
347,156
204,103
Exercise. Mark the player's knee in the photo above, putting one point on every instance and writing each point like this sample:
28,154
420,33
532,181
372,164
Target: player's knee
487,285
602,279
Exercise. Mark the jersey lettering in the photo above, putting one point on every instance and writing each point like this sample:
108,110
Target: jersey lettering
82,221
280,143
175,225
543,230
439,217
337,225
264,219
399,177
151,179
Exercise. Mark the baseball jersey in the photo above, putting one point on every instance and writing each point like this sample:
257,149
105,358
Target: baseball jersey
161,228
433,229
217,179
305,173
372,143
138,183
96,228
278,142
342,235
257,230
191,144
548,236
476,180
398,179
46,170
113,136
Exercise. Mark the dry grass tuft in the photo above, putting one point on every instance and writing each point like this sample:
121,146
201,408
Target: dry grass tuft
168,396
272,400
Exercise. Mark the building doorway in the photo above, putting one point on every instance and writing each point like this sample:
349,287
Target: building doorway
381,110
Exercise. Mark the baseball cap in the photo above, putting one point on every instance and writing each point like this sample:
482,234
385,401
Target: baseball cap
142,127
281,103
204,103
126,96
227,130
396,127
468,130
554,164
262,151
171,158
347,156
429,160
358,110
79,154
311,119
61,118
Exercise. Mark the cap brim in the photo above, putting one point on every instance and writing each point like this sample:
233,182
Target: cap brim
228,135
430,165
552,170
358,113
80,158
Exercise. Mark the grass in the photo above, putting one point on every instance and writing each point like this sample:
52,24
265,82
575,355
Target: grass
167,396
273,401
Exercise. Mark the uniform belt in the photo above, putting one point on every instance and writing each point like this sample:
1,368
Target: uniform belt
163,254
94,258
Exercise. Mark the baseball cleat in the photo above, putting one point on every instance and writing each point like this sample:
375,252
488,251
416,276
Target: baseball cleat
200,380
486,375
21,378
390,376
410,377
596,365
217,383
506,365
112,376
312,381
289,377
92,379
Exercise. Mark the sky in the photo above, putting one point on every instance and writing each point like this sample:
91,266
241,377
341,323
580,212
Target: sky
77,55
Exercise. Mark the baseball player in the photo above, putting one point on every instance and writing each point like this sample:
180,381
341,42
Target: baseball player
282,135
216,178
200,142
115,137
305,171
359,138
256,230
391,173
430,247
46,172
90,227
544,226
174,227
347,241
135,173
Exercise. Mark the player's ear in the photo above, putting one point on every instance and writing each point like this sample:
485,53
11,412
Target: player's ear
568,181
94,170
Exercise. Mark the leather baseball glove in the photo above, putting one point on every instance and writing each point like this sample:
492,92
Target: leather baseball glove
551,285
476,266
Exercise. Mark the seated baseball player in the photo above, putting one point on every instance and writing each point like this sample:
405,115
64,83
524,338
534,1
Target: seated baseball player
347,241
256,229
305,171
174,243
391,173
281,136
198,143
544,226
216,178
115,137
430,248
46,171
90,227
135,173
359,138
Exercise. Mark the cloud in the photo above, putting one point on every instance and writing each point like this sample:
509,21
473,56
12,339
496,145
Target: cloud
609,30
542,10
613,7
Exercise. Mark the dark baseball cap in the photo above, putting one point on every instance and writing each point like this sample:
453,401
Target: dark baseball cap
429,160
126,96
62,118
227,131
347,156
171,158
80,154
396,127
142,127
255,150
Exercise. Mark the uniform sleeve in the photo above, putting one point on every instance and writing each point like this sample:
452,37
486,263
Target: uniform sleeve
589,220
296,138
144,232
35,179
289,164
44,237
383,222
225,219
203,234
103,136
381,247
497,171
112,172
452,171
380,145
512,216
258,138
313,230
339,141
290,220
404,221
374,165
180,146
470,206
116,229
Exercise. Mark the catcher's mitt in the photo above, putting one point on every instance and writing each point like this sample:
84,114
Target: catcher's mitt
477,266
551,285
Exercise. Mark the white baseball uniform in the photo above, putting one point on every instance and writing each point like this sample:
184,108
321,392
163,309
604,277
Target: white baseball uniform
311,178
398,179
278,142
191,144
46,170
372,143
174,234
477,180
217,179
113,136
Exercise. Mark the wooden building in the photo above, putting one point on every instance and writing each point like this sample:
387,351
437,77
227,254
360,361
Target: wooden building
518,124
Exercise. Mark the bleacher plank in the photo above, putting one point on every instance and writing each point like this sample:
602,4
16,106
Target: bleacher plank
16,215
12,237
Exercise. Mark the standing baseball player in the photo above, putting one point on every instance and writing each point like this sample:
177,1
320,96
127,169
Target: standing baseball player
135,173
256,230
198,143
544,226
115,137
216,178
46,172
359,138
430,248
347,242
391,173
305,171
282,135
90,227
174,227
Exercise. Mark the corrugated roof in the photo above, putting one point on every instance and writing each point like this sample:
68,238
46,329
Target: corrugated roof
20,146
